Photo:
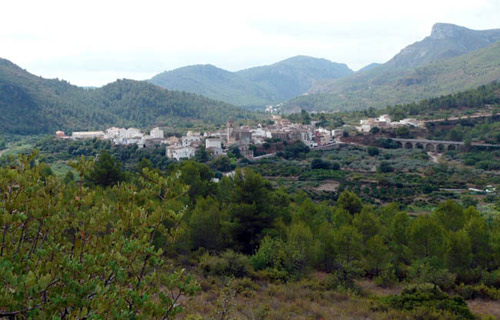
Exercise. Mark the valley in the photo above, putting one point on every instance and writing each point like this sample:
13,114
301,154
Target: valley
300,189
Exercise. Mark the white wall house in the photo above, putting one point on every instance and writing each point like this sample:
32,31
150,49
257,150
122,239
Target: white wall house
213,143
156,133
180,152
87,135
189,140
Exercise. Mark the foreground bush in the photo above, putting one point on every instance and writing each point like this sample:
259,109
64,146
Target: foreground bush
76,253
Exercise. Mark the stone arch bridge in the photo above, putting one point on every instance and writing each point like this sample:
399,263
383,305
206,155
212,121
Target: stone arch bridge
429,145
437,145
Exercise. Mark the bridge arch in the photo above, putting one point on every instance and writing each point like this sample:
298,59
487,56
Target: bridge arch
419,145
430,147
399,143
440,148
452,147
408,145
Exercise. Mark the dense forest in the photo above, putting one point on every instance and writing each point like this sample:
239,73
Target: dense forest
33,105
104,243
469,100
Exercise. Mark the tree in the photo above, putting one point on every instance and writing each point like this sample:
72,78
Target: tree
222,164
458,252
426,238
350,201
403,132
373,151
376,255
251,209
348,243
208,225
201,154
385,167
106,171
305,117
450,215
319,164
72,252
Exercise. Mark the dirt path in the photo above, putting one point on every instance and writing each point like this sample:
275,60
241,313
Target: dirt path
434,157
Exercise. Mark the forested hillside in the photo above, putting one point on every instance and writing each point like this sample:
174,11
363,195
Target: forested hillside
432,67
116,244
33,105
255,86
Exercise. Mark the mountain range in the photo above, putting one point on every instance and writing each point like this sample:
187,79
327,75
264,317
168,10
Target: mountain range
33,105
255,86
451,59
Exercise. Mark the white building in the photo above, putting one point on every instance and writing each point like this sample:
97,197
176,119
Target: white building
156,133
87,135
189,140
337,132
180,152
213,143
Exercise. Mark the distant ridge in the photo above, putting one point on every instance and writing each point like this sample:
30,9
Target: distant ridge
451,59
34,105
255,86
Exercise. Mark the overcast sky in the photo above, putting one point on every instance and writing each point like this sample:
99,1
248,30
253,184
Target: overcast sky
91,43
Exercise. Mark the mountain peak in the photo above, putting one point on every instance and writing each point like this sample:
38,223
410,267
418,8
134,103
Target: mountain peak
446,30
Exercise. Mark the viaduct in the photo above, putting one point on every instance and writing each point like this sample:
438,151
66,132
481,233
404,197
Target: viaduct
437,145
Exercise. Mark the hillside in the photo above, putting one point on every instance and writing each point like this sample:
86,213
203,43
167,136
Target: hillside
396,82
446,41
32,105
255,86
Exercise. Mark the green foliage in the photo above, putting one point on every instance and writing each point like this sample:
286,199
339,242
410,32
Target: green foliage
258,86
320,164
343,279
201,154
57,105
75,252
208,225
229,263
106,171
385,167
373,151
428,297
296,150
389,85
222,163
403,132
350,202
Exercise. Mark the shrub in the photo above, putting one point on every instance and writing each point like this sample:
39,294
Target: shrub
373,151
428,297
229,263
385,167
343,279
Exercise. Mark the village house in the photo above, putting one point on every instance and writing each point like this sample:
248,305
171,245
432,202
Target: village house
81,135
180,152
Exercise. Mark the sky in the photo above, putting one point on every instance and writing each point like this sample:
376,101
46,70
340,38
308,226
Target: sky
91,43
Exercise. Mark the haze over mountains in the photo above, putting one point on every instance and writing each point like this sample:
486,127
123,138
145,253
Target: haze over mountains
255,86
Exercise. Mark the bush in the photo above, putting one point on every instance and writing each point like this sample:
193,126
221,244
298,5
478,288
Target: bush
320,164
386,279
335,166
343,279
229,263
428,297
373,151
385,167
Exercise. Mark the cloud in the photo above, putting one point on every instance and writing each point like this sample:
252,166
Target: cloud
109,39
